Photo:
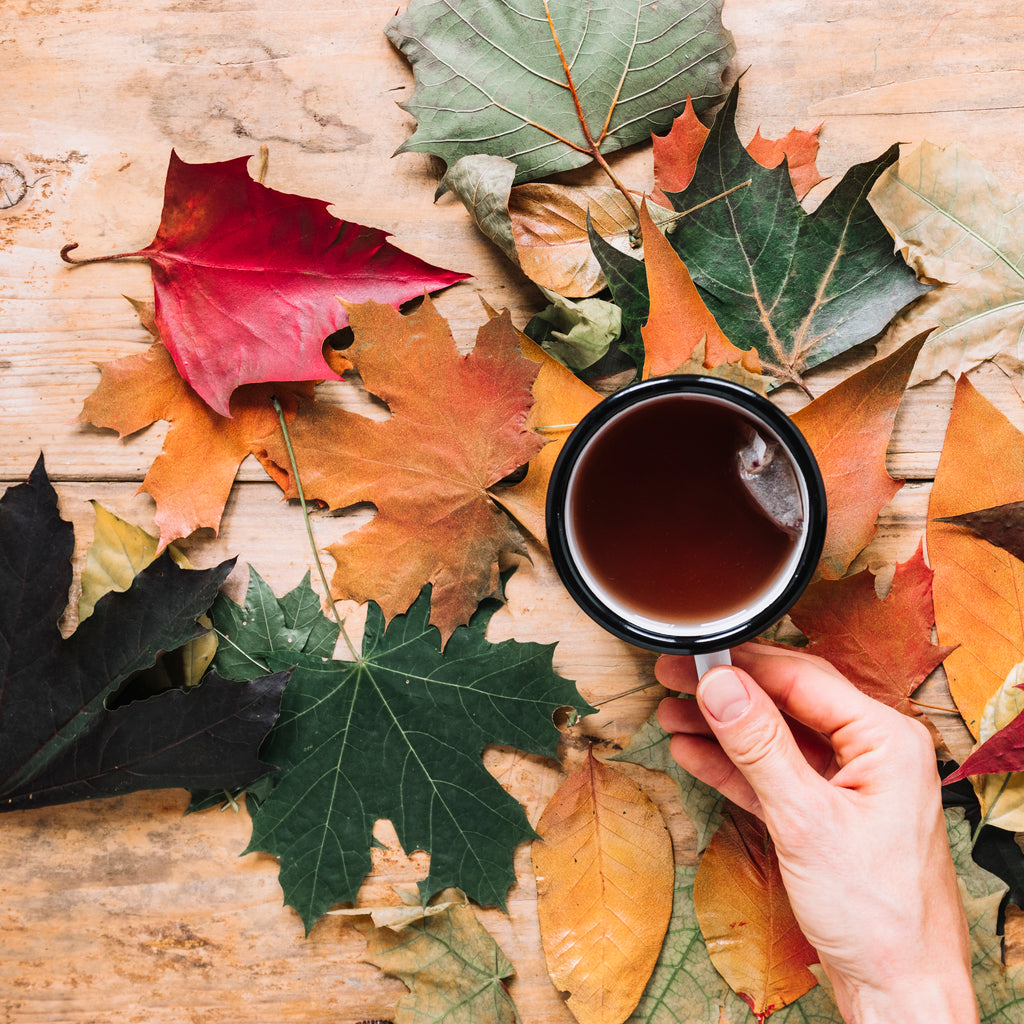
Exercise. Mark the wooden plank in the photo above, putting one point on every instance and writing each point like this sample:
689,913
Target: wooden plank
124,910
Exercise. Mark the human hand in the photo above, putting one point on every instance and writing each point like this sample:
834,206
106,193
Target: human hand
849,791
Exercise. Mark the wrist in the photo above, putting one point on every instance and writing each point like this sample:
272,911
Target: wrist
946,998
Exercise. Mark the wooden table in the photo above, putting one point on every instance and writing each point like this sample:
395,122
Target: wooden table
124,910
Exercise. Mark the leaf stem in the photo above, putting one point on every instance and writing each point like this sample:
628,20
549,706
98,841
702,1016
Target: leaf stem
988,812
592,147
309,531
71,246
933,707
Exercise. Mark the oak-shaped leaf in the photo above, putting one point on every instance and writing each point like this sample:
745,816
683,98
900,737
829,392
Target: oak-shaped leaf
247,278
59,740
801,288
191,478
883,646
395,733
604,868
551,83
457,428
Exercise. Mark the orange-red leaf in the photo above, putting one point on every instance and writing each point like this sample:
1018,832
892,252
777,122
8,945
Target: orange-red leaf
675,155
192,476
884,646
457,427
605,874
977,586
848,429
678,320
744,913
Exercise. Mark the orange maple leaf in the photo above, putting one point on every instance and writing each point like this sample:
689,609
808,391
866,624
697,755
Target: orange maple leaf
883,646
977,585
192,476
675,155
848,429
457,427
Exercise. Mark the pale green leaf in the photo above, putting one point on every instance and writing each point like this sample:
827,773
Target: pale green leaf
495,78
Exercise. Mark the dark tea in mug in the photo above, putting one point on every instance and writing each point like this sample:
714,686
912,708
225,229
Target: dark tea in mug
686,514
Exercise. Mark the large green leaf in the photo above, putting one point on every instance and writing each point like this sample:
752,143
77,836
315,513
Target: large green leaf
800,287
396,734
498,78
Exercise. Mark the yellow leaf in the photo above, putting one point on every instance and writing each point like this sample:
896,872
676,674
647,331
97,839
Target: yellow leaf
118,553
605,876
744,913
977,586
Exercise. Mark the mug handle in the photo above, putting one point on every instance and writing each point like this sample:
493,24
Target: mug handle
712,659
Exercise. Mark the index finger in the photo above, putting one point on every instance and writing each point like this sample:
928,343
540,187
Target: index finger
805,687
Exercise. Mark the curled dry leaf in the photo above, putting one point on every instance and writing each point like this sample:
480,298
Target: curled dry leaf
745,916
605,874
977,586
957,224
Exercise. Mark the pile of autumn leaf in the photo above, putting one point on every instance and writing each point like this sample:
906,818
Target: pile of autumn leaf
249,282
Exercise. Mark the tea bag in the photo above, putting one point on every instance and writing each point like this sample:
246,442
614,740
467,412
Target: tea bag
768,475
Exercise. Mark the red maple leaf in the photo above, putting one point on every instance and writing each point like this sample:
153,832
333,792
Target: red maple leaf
1002,752
884,647
247,279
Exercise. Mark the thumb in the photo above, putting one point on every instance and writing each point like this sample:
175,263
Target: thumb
754,736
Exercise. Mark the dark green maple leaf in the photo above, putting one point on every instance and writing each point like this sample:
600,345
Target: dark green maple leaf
800,287
396,733
59,740
549,83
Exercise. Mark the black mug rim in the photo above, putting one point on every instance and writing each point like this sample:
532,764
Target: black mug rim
757,407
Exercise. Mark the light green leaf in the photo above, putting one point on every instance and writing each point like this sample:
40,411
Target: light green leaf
498,78
483,183
453,968
577,333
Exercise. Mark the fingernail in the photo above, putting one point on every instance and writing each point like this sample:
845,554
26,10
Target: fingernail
723,695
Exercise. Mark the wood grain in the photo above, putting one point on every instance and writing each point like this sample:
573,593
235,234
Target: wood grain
125,910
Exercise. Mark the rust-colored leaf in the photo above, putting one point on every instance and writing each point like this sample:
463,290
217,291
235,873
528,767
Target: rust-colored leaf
605,874
1002,525
848,429
675,155
678,320
977,585
883,646
192,476
748,924
457,427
